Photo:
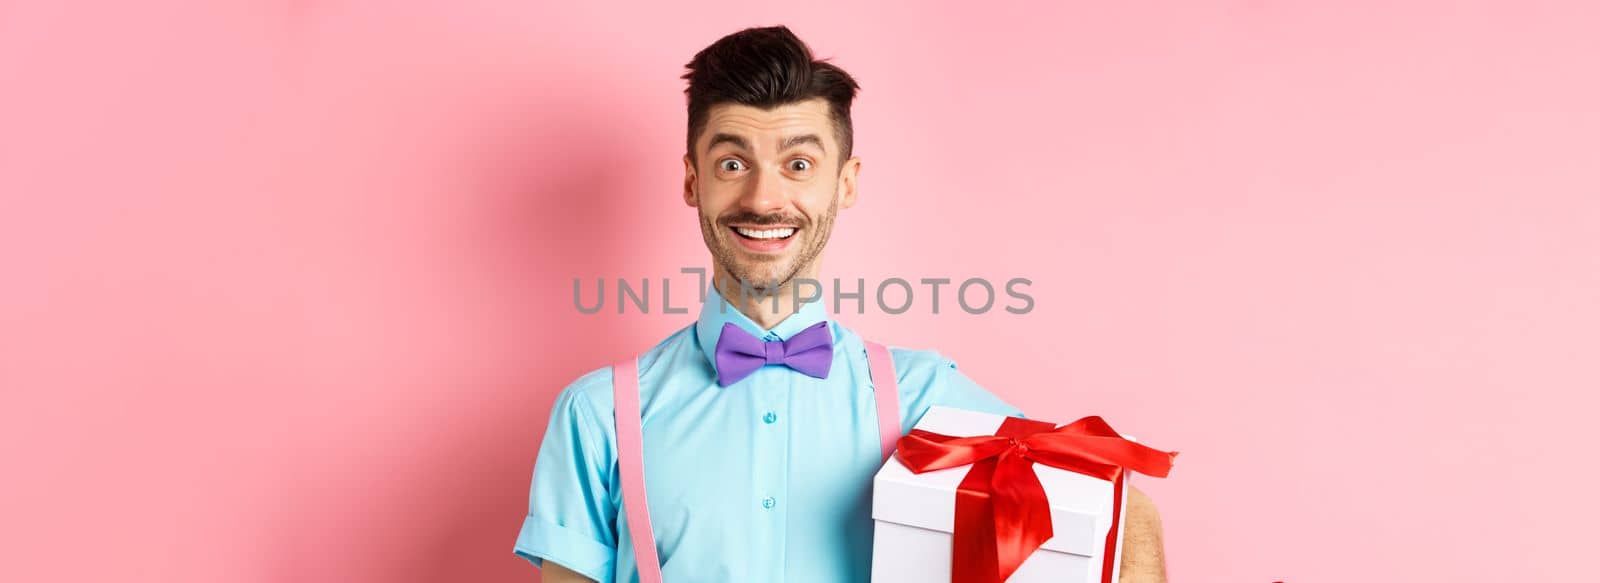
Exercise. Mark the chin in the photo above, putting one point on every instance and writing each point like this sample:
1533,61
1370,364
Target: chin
762,277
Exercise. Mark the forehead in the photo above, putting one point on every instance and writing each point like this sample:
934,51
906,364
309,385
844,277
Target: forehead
765,128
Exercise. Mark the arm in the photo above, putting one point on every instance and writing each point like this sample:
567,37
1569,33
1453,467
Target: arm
571,519
1143,560
554,573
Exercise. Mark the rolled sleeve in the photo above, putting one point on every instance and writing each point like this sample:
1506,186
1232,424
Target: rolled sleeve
571,516
541,539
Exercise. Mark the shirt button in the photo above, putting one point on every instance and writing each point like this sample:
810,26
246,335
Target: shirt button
768,502
770,417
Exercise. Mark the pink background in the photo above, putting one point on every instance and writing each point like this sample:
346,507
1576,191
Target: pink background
287,287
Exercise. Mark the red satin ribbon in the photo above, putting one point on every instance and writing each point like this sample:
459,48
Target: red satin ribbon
1002,514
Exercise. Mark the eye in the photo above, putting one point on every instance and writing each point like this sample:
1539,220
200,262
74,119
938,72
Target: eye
799,165
731,165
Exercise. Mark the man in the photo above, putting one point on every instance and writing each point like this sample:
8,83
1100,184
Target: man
761,474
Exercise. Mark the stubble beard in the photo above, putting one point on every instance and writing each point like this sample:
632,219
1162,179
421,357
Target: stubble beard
748,272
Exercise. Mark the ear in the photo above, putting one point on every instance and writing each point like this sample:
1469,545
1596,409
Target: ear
689,179
847,181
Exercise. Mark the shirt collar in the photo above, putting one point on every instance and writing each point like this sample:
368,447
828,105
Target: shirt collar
716,311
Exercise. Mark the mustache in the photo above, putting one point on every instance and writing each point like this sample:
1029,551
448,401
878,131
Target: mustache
746,218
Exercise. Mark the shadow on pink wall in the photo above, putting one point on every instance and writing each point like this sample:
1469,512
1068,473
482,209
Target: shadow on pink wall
543,189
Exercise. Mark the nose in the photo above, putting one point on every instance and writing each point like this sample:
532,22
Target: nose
764,193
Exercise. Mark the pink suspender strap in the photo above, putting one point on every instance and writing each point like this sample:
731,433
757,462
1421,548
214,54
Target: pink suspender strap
630,461
630,446
887,392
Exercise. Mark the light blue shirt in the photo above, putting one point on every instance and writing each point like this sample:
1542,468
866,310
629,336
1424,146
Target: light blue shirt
768,479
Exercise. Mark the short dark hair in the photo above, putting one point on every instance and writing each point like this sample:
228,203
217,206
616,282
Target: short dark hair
766,68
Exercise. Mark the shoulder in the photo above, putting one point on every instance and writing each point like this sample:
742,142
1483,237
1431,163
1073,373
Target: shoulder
592,393
914,368
919,363
928,377
586,401
919,370
590,389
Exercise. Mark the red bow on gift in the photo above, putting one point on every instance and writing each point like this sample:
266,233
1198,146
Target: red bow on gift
1002,514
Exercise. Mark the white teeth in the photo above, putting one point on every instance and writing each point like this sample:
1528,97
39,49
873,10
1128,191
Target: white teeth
780,233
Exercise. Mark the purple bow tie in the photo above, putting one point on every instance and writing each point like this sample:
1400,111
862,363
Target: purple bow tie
739,354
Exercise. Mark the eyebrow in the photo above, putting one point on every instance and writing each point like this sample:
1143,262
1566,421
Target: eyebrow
803,139
790,142
737,141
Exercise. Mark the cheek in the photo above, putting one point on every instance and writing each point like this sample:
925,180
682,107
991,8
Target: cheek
815,199
714,201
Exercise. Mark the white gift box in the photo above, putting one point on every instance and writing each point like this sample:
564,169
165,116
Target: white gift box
914,515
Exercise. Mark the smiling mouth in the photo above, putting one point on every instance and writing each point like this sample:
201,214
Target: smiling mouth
766,233
764,240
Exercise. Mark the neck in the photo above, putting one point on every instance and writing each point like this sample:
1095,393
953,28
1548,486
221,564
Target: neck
758,305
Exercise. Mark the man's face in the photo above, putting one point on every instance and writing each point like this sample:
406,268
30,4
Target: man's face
767,185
